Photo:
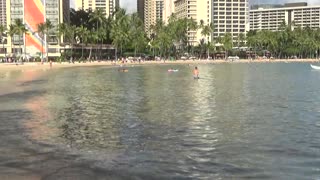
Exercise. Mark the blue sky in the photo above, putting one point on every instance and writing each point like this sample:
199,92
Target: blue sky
131,5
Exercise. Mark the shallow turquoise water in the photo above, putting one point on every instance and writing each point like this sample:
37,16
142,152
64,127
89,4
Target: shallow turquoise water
257,121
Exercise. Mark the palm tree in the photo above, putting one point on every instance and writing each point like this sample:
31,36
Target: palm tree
63,32
156,30
120,30
97,16
82,33
227,43
191,26
201,24
206,32
102,34
3,30
20,30
93,37
71,35
136,32
48,27
241,40
11,33
41,30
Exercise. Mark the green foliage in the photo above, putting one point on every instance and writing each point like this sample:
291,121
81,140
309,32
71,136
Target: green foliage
286,43
19,29
3,30
124,31
167,37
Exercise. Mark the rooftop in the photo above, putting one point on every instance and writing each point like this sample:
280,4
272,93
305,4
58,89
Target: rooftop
272,6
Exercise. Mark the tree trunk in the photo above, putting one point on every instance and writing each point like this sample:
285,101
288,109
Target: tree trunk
82,51
71,47
116,54
90,53
47,58
153,52
11,46
121,50
101,49
135,50
25,51
96,54
20,49
226,55
42,51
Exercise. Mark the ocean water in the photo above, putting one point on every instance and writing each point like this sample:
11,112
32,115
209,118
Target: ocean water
238,121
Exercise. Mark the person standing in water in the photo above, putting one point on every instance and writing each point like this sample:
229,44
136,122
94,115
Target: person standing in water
196,73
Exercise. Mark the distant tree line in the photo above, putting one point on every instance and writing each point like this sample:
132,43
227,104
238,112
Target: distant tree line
286,43
172,39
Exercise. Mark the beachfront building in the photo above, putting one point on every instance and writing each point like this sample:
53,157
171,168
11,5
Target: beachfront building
168,9
294,14
140,9
3,12
3,21
230,16
33,12
150,11
108,6
198,10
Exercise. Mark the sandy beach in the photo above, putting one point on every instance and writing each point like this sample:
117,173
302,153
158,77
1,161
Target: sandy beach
35,157
35,66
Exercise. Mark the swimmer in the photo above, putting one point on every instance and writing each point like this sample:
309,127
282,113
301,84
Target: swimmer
196,73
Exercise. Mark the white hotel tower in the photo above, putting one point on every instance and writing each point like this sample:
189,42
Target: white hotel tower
295,14
230,16
108,6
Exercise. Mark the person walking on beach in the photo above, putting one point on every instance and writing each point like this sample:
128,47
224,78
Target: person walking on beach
196,73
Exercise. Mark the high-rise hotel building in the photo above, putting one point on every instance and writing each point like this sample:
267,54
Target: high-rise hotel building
3,12
295,14
197,10
227,16
32,13
150,11
108,6
230,16
168,9
140,9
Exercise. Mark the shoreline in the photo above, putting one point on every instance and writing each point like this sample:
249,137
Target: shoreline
45,66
